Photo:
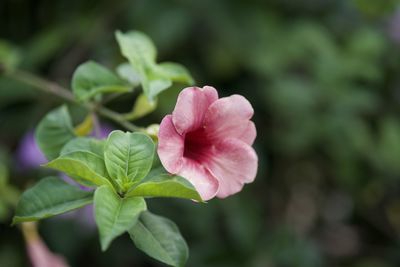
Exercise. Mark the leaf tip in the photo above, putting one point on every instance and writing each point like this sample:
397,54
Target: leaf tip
105,244
118,35
104,248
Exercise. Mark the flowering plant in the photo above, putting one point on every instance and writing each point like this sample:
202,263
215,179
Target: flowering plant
204,149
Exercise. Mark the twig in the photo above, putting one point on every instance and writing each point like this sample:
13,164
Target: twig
41,84
55,89
96,125
105,112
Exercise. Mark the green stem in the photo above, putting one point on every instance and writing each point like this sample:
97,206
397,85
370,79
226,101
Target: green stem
55,89
118,118
41,84
96,125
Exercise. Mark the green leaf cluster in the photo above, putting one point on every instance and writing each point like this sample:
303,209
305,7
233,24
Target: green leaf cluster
54,131
51,196
91,80
142,54
159,238
120,174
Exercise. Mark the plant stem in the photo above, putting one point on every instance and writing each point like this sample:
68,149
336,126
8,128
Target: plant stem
41,84
96,125
118,118
55,89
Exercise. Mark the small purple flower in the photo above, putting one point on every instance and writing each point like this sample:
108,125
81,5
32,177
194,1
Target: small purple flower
84,215
71,181
28,154
103,133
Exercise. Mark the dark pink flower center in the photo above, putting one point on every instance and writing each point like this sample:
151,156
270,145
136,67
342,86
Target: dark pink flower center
197,145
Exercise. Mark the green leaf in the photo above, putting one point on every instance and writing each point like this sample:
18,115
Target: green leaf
85,167
137,48
54,131
128,157
141,108
91,79
88,144
128,73
49,197
154,83
176,72
9,55
141,54
115,215
160,238
158,183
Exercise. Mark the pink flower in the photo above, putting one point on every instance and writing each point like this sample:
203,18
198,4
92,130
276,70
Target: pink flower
208,141
39,254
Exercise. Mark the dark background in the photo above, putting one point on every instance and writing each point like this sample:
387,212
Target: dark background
323,77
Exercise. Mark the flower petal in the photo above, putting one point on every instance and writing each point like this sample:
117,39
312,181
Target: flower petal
204,182
191,107
40,255
233,163
249,134
170,146
228,117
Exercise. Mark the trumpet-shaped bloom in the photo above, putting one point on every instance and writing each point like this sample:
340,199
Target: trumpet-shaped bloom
207,140
39,254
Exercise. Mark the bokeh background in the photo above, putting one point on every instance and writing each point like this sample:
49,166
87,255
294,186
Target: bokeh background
324,79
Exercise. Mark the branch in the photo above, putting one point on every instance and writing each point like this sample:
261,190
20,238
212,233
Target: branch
41,84
55,89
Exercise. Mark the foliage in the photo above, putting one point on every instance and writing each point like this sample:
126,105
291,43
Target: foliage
141,54
118,168
323,79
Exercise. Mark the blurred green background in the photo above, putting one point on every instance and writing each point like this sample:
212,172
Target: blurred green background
324,79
